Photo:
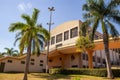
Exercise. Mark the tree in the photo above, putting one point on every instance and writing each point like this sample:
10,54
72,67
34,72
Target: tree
101,13
84,44
30,35
1,55
10,52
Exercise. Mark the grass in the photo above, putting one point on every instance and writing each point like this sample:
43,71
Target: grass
43,76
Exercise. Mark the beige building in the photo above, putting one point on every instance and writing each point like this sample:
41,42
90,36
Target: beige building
63,50
17,64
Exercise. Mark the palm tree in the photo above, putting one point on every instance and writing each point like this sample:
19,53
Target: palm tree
1,55
30,35
101,13
10,52
84,44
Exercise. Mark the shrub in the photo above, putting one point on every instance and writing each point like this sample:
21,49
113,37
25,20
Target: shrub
91,72
55,71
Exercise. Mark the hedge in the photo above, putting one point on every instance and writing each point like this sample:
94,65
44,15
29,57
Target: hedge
91,72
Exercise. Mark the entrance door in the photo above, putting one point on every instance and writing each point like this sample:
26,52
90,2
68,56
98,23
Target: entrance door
2,67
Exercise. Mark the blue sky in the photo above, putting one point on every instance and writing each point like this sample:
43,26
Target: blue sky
11,10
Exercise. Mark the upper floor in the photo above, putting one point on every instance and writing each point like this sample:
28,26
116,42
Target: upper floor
66,34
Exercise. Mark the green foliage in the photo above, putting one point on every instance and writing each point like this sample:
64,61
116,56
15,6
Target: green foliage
10,52
84,43
55,71
91,72
101,12
1,55
30,33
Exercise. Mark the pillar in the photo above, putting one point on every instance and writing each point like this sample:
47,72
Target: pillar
90,58
63,61
80,59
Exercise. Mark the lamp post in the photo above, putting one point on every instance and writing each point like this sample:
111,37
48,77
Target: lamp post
51,9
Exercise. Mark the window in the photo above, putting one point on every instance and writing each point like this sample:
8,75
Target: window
50,60
60,58
84,66
22,62
74,32
96,37
74,66
72,57
32,60
86,57
9,61
41,61
32,63
53,40
98,59
66,35
83,55
93,58
41,64
104,61
58,38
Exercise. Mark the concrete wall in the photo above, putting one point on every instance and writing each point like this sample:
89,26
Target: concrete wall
61,29
16,65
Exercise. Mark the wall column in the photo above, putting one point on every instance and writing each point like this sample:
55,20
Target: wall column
62,61
101,59
90,58
80,60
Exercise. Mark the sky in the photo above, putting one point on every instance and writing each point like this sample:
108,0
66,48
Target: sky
11,10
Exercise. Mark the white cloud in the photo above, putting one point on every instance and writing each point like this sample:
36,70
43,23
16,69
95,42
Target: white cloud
29,5
23,7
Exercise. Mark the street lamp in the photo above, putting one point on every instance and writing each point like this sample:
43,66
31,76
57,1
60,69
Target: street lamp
51,9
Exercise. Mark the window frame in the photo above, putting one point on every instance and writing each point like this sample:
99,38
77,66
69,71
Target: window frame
74,32
52,40
59,38
66,35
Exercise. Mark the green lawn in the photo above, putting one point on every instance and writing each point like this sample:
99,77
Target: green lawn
43,76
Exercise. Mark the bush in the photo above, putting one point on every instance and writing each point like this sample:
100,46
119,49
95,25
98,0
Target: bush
91,72
55,71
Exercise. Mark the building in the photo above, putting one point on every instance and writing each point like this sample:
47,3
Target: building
63,52
17,64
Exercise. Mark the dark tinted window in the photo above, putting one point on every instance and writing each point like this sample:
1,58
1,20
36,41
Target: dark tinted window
66,35
74,32
58,38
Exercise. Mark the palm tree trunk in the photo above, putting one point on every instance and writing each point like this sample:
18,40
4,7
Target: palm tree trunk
27,62
107,55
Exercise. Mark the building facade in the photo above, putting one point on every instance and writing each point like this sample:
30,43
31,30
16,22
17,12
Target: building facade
63,52
17,64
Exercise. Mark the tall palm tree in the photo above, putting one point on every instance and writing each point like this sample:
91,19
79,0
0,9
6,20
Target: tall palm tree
101,13
10,52
1,55
30,35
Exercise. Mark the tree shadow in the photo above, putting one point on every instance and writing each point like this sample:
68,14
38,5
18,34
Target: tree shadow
50,76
